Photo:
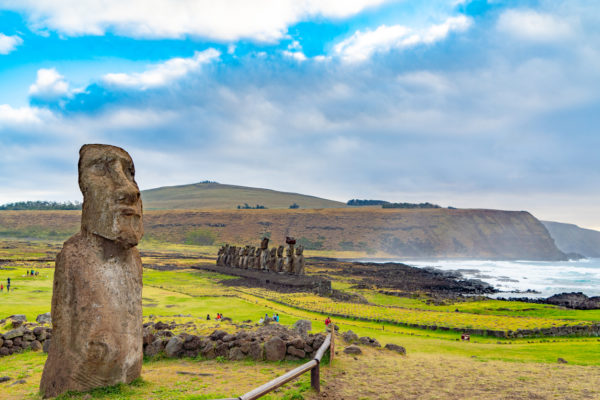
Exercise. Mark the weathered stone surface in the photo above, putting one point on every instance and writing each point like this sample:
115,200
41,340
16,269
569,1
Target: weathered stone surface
350,337
174,346
275,349
4,351
256,351
236,354
8,343
296,352
302,326
1,341
46,345
561,360
4,379
367,341
218,334
154,348
44,318
353,349
97,293
15,333
18,317
36,345
396,348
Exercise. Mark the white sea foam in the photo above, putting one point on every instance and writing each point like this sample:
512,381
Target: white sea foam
545,277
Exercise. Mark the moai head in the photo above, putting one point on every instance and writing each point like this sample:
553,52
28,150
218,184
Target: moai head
273,252
112,206
299,250
280,251
265,243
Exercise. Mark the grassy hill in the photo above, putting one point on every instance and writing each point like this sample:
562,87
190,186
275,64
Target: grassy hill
219,196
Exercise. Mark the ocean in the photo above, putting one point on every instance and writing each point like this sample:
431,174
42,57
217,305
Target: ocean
515,277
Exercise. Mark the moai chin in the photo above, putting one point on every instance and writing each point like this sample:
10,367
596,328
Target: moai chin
97,291
299,261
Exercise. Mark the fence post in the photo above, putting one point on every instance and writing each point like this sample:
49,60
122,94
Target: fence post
332,344
315,378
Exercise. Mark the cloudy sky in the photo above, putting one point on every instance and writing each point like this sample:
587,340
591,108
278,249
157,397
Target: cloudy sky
482,104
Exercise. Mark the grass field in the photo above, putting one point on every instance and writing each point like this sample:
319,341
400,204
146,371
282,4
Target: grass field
438,365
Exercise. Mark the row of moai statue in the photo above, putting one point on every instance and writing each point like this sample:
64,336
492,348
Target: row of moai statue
263,258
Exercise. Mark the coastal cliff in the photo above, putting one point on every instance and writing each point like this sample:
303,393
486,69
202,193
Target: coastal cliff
430,233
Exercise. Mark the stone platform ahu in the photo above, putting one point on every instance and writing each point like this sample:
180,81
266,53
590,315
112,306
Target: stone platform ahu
261,258
97,293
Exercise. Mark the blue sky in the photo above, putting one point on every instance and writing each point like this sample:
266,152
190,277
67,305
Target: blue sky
483,104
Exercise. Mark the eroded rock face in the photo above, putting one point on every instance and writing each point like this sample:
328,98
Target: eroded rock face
97,293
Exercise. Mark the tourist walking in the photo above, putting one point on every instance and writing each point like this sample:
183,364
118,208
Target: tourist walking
208,317
1,287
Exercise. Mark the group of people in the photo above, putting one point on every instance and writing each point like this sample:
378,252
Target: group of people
7,285
32,273
219,317
274,318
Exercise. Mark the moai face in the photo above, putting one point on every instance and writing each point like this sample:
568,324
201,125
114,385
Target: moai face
299,250
280,251
289,251
112,206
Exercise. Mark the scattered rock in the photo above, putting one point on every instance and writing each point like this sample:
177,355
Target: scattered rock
154,348
302,326
296,352
396,348
353,349
46,345
15,333
350,337
19,382
173,347
562,360
367,341
4,379
44,318
275,349
36,345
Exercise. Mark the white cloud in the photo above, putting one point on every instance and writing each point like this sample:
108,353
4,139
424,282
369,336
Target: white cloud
226,20
49,85
22,116
533,26
9,43
296,55
361,45
164,73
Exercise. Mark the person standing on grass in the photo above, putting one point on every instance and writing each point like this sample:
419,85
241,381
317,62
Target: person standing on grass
327,322
208,317
1,287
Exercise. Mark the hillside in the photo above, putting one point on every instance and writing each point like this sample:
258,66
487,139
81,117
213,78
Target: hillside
434,233
572,239
218,196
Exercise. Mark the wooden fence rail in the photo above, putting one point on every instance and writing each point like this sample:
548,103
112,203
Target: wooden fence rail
312,366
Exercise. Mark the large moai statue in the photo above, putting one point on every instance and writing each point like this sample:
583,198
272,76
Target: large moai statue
288,262
257,257
280,259
246,253
299,261
264,255
97,290
220,255
272,262
234,254
239,259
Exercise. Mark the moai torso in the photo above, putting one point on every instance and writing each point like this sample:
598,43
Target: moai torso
288,263
299,261
272,262
280,259
220,255
239,257
97,291
257,257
